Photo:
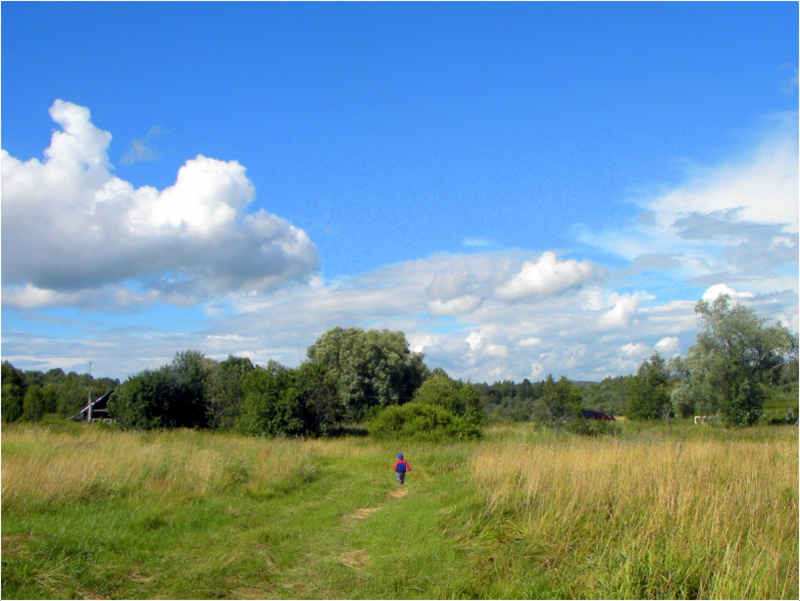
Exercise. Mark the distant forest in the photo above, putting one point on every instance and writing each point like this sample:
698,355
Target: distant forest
740,364
517,402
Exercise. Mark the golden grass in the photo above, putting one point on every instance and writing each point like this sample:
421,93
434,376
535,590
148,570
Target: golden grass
718,518
40,466
711,515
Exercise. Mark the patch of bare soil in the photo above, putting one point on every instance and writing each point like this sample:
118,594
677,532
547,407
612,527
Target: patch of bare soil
15,544
360,514
397,493
355,558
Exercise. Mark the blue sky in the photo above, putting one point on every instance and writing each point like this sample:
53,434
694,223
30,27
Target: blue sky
523,189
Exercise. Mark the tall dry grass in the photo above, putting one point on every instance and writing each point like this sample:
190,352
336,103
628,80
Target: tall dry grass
40,466
662,519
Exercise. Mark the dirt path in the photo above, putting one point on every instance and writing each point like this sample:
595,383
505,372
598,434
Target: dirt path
392,495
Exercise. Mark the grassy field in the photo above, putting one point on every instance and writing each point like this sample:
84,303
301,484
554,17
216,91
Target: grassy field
89,512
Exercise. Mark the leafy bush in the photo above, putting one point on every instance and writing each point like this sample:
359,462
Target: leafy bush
459,398
560,402
420,421
591,427
145,401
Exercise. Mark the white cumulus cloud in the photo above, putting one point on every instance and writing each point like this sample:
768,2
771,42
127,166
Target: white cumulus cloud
547,277
634,350
71,226
621,313
717,290
668,345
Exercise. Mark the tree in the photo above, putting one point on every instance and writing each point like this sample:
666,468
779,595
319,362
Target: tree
271,402
225,391
73,394
559,403
370,368
50,395
610,394
13,393
455,396
143,401
317,398
648,395
735,355
173,396
190,370
34,404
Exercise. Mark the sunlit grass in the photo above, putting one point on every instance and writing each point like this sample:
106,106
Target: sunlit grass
701,512
668,518
43,467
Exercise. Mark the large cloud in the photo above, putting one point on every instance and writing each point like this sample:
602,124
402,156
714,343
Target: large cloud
734,223
73,233
547,277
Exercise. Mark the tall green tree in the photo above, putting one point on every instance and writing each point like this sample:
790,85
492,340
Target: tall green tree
50,395
225,391
370,368
271,402
559,403
317,397
190,369
73,394
143,401
648,394
34,404
610,394
736,354
13,393
459,398
173,396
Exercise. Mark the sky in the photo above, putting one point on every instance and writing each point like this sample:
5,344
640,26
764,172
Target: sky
523,189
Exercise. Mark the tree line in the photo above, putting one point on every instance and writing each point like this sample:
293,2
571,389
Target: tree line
737,360
350,376
30,394
357,376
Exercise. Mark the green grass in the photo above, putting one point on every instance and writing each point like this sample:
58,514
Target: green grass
95,513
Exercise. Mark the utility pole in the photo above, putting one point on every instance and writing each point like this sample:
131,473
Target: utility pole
89,416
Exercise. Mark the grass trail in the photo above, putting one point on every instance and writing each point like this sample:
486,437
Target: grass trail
336,526
89,513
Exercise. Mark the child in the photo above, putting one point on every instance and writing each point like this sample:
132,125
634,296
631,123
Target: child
401,467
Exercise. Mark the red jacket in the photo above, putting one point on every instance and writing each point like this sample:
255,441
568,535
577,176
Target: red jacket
404,463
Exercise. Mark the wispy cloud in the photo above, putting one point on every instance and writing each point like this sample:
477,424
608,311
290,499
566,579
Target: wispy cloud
479,242
789,85
732,223
143,149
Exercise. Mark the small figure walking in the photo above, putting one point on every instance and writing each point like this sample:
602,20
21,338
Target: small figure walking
401,467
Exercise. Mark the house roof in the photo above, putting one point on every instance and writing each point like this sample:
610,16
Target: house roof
100,402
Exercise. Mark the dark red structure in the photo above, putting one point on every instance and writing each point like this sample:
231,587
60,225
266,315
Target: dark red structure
601,415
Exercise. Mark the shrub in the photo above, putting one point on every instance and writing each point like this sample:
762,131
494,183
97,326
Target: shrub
591,427
459,398
420,421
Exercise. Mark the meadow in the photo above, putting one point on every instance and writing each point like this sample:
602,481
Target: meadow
698,512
